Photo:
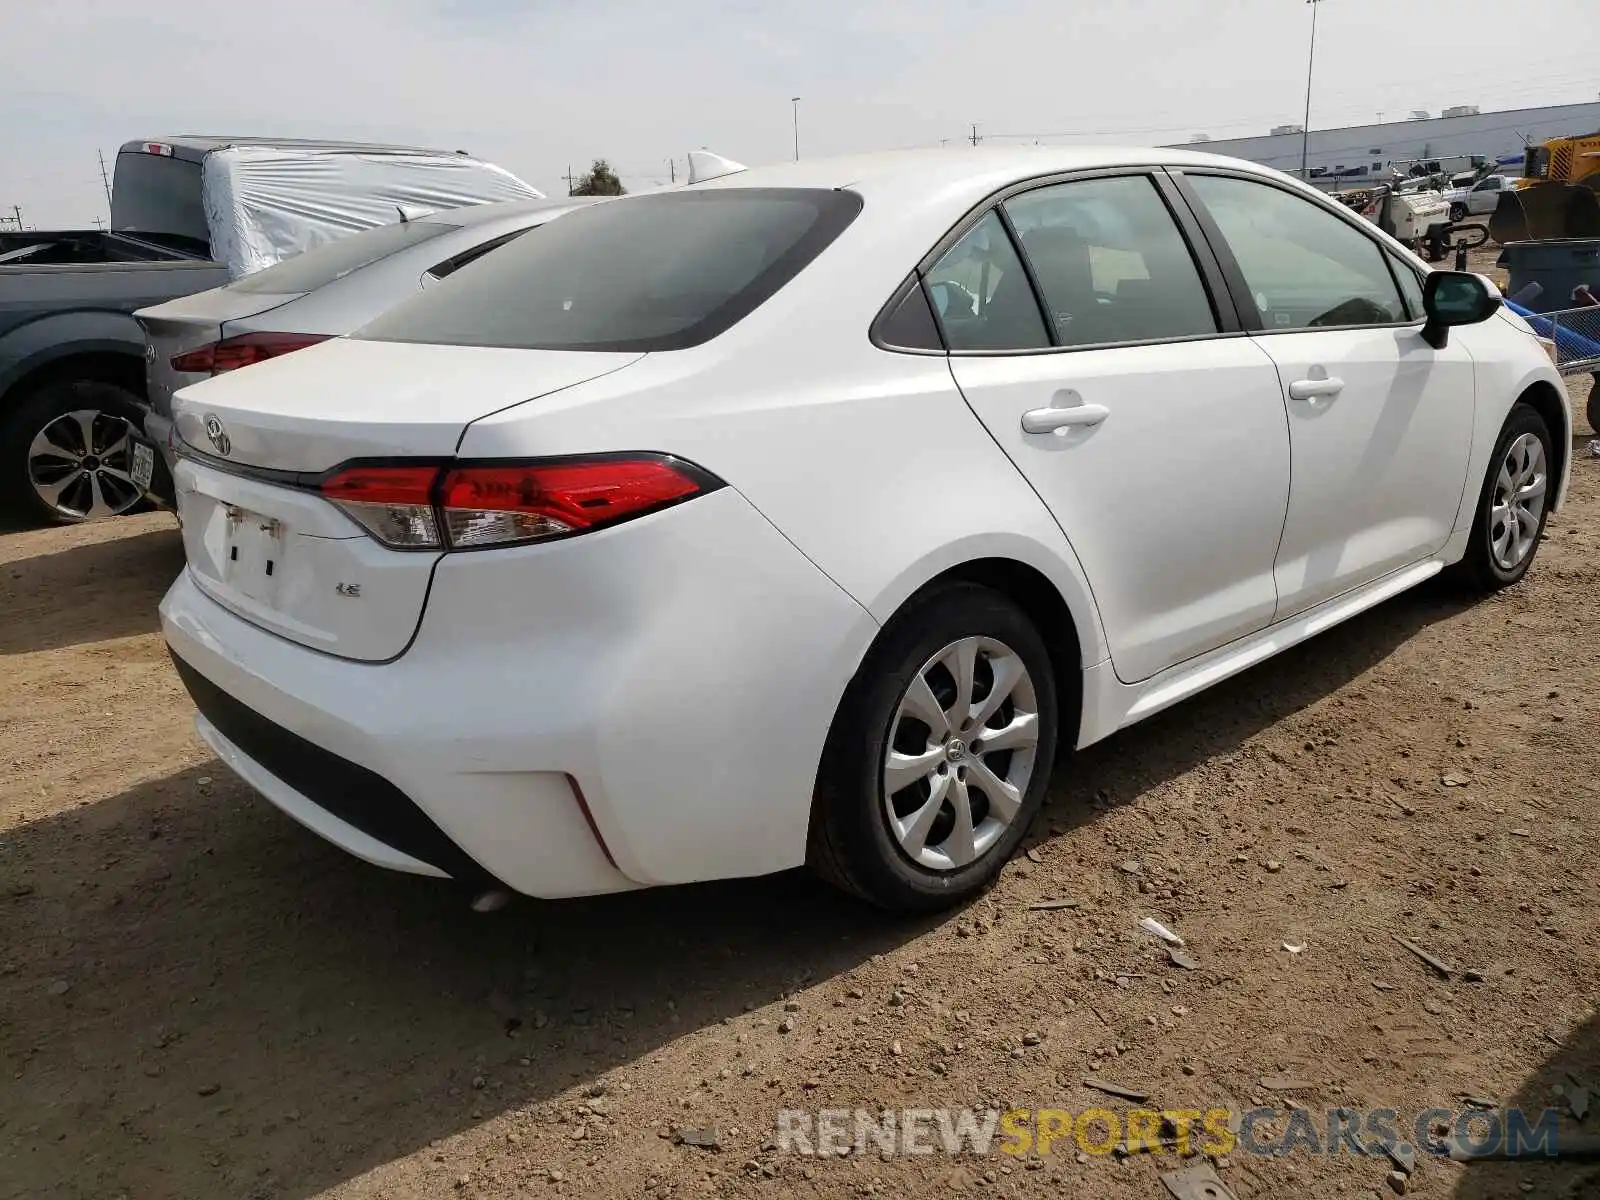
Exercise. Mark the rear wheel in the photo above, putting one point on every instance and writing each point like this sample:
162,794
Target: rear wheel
939,755
1513,504
1458,213
66,454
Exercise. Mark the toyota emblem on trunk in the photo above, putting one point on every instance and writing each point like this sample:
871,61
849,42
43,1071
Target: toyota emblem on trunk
218,435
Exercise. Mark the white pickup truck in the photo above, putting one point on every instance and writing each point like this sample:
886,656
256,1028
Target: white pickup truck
1480,199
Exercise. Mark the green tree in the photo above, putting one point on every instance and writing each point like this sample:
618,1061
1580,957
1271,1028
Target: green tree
600,180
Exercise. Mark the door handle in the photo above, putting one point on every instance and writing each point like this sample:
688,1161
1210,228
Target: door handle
1053,420
1315,389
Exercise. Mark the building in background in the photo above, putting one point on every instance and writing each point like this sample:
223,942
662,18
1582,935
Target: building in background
1362,153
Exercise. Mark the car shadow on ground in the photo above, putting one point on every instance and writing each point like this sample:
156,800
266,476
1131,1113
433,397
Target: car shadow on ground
227,1005
88,593
1219,720
1573,1065
214,1002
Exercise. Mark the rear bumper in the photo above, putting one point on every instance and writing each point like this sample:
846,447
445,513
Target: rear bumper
681,670
161,491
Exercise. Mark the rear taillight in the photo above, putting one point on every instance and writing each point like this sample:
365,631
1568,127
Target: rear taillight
393,504
468,506
243,351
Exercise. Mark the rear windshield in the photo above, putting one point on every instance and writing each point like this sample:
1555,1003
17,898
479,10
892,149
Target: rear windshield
155,193
320,267
658,272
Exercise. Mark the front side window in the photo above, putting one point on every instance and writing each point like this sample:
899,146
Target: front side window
1305,267
1111,262
981,294
1410,286
644,273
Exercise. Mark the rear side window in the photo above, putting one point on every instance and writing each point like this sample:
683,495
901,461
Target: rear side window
320,267
660,272
981,294
1306,267
1111,262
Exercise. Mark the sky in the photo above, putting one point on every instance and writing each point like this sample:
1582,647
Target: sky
541,86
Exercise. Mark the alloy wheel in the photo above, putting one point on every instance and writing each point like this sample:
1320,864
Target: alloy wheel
961,753
80,465
1517,509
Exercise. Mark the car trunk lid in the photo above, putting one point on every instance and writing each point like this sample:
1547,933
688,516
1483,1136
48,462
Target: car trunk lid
189,323
259,538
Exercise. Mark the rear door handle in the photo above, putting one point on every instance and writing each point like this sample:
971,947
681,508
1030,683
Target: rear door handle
1315,389
1052,420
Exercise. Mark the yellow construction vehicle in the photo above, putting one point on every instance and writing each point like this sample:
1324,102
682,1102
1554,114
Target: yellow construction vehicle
1558,196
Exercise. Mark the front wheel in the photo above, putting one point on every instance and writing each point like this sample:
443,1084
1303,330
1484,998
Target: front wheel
940,753
1458,213
1513,504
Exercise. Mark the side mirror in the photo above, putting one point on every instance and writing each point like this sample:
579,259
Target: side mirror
1455,298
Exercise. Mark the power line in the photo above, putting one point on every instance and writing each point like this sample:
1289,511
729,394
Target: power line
104,181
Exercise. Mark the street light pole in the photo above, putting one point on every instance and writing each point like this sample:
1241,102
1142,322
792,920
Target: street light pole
795,101
1311,61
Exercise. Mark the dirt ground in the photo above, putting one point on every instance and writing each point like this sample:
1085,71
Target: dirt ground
200,999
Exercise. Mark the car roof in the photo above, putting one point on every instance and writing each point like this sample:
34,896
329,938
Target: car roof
480,214
194,147
941,168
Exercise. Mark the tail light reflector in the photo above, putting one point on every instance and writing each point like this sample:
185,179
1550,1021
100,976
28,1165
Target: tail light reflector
498,504
243,351
393,504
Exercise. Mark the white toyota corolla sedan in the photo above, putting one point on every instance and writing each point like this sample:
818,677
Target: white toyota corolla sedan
813,514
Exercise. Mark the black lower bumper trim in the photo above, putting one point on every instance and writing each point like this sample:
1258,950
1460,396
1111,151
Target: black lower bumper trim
352,793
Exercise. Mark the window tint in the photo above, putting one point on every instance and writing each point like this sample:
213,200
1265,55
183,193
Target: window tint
657,272
982,295
450,265
1305,267
158,194
319,267
1111,262
1410,287
909,324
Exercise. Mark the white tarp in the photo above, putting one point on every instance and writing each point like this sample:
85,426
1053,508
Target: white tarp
264,204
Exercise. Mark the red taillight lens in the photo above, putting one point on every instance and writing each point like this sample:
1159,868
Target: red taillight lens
245,350
468,507
492,505
393,504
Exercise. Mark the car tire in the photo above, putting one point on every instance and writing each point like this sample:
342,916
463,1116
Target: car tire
1593,409
1502,546
878,840
1458,213
79,426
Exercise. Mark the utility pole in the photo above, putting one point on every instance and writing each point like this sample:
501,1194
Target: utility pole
569,177
17,212
794,101
672,169
975,138
105,181
1311,61
100,223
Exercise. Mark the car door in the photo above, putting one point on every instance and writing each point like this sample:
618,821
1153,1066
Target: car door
1380,423
1485,196
1104,369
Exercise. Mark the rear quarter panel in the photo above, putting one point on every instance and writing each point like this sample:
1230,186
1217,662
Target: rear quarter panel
49,312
